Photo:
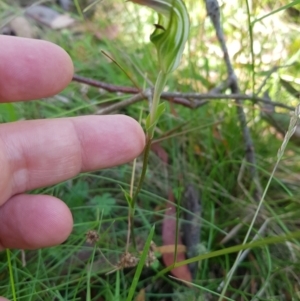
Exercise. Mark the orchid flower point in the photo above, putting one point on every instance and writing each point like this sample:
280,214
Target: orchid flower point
171,32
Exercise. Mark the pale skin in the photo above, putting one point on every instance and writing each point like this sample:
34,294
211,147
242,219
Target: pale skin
40,153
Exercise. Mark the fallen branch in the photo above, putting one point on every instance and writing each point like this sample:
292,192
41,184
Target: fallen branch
213,11
211,96
121,104
190,100
104,86
126,90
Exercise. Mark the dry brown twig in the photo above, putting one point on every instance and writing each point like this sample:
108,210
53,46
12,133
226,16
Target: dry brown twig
213,11
190,100
127,90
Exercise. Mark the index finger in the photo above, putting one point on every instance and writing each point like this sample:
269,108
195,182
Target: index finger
32,69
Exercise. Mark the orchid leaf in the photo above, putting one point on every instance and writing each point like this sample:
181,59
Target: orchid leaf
160,110
151,125
148,123
127,197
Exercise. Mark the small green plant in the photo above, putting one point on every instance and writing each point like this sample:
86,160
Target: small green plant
169,37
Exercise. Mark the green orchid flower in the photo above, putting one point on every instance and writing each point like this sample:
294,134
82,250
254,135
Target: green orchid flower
171,32
169,37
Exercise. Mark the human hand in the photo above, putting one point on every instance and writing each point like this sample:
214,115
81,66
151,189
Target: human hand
40,153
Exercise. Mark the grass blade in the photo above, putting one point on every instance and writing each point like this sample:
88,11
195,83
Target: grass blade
140,265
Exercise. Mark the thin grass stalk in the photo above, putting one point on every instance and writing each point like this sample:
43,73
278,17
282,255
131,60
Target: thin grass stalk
11,276
259,243
140,265
76,2
288,135
89,273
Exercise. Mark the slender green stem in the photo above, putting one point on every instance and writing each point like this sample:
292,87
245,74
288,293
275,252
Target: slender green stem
143,174
158,89
12,282
138,189
78,8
